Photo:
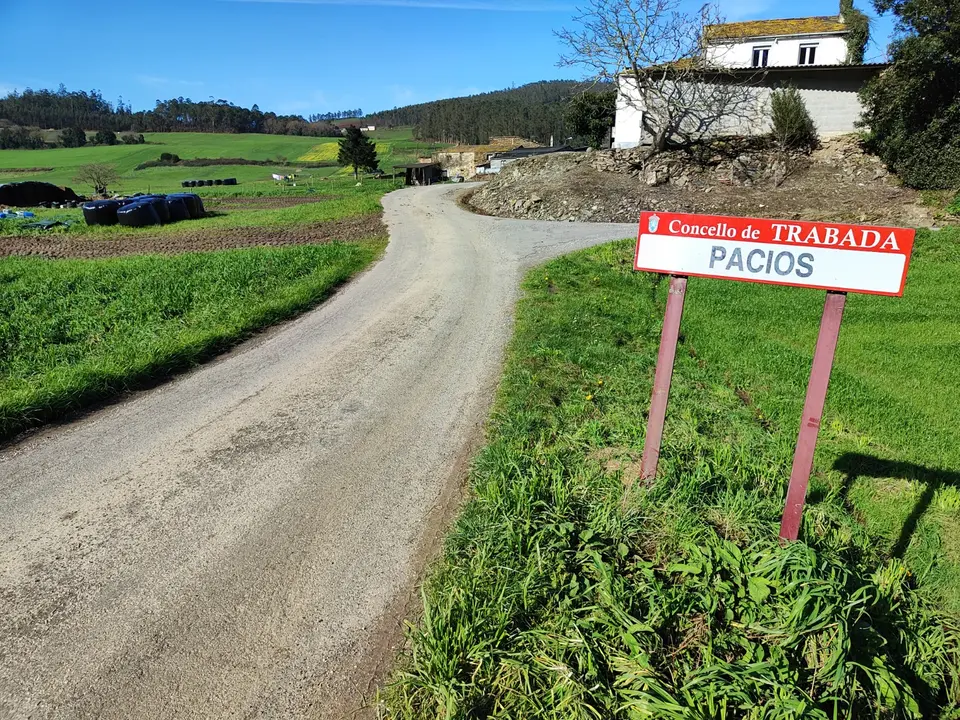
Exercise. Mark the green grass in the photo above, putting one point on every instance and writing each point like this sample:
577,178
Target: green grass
569,589
890,439
65,161
343,199
954,207
78,331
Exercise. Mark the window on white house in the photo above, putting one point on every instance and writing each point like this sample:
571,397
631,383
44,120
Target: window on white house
760,55
808,54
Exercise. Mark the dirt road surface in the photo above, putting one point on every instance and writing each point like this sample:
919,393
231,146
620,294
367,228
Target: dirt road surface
245,540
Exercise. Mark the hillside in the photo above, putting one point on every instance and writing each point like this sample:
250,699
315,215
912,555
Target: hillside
534,111
288,153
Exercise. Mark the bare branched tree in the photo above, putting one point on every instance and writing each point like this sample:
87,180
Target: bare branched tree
98,175
656,54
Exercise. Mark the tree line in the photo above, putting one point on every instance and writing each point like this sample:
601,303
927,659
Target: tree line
60,109
537,111
340,115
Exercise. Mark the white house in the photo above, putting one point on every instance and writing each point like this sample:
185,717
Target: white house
758,57
777,43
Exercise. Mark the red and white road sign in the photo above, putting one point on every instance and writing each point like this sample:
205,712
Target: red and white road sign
829,256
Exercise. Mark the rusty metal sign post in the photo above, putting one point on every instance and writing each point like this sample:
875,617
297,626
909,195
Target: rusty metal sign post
833,257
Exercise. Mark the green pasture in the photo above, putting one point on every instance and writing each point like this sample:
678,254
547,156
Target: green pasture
570,588
76,331
398,142
333,199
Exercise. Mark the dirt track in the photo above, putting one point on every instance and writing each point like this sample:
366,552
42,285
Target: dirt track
243,541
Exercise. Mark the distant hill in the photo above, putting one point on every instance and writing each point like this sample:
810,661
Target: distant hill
534,111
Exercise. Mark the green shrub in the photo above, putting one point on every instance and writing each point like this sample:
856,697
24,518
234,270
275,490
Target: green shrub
169,158
105,137
73,137
858,31
14,137
133,139
792,125
913,108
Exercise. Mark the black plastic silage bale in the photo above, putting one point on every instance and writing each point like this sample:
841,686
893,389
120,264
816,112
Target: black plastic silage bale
163,212
177,208
230,181
107,212
208,183
90,212
218,182
138,214
193,203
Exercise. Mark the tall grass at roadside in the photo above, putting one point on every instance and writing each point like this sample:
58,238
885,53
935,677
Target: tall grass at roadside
77,331
569,589
889,444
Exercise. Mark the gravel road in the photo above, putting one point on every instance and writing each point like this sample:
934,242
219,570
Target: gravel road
244,541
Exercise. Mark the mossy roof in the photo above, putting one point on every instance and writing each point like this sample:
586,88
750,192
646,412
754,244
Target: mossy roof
771,28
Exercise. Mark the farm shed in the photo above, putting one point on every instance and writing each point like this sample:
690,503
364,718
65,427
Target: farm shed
421,173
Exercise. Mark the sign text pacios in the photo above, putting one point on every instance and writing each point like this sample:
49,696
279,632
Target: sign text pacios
829,256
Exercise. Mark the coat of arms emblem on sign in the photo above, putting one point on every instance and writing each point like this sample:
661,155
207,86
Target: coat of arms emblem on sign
653,223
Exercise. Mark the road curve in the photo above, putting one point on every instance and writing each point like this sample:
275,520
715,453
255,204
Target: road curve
244,540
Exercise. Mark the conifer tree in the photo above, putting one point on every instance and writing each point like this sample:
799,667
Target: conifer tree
358,150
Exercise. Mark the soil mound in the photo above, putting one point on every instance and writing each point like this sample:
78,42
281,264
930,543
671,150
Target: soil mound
31,194
836,183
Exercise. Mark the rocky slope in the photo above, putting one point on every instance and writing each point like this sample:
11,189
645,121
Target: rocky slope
838,182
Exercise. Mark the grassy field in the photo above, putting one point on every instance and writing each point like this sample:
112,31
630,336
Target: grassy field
569,589
73,332
341,198
394,146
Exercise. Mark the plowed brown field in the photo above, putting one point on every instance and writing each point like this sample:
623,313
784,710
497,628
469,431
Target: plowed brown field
143,242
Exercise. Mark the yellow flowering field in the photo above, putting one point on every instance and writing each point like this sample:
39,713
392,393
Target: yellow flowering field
324,152
327,151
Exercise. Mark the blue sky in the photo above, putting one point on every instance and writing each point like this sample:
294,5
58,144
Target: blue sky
305,56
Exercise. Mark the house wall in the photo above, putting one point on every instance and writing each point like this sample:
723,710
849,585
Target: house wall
784,51
627,125
463,163
830,96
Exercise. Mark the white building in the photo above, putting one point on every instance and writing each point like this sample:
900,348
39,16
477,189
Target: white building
777,43
808,53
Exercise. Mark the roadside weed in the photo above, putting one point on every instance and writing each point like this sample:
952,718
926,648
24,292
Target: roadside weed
570,589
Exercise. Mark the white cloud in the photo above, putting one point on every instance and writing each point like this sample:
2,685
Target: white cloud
483,5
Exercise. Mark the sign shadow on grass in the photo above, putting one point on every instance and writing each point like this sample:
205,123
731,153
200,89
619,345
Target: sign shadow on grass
857,465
